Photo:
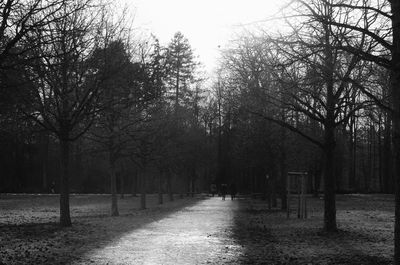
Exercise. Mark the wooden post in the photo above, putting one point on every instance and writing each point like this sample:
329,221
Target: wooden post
301,190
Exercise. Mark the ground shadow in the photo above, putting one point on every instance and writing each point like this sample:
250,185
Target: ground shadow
48,243
267,237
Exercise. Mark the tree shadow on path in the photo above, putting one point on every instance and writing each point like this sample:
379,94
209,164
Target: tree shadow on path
48,243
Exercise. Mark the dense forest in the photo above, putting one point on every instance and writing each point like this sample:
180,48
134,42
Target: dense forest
87,106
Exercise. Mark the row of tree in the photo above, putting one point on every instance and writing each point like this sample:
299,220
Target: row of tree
78,87
331,78
321,96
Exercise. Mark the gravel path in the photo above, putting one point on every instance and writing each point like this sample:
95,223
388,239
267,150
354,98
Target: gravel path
199,234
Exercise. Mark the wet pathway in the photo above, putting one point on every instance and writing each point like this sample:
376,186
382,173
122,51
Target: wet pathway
199,234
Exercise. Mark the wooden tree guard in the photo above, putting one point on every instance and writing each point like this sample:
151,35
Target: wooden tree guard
299,179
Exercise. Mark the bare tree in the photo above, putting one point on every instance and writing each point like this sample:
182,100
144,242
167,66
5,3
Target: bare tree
308,79
65,102
377,21
18,20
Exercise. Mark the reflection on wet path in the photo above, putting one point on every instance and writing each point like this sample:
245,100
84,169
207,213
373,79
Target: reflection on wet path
199,234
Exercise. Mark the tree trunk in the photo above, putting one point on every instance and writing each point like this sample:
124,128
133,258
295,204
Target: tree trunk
395,92
142,190
396,144
169,187
45,159
134,183
160,190
380,156
273,190
193,185
329,184
122,183
329,135
65,218
113,179
387,156
283,171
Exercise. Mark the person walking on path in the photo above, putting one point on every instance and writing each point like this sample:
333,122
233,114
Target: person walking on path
213,189
233,191
223,191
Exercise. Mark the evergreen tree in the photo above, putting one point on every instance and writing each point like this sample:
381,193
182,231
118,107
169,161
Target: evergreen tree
181,68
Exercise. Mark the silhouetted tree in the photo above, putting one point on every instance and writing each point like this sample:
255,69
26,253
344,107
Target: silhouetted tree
65,102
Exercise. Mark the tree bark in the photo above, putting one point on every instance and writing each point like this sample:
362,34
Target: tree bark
352,150
160,190
142,190
395,92
329,183
169,187
122,184
387,156
396,144
45,158
65,218
134,183
329,135
113,179
193,183
283,170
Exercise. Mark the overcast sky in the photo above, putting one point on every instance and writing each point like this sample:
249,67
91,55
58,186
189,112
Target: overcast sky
206,23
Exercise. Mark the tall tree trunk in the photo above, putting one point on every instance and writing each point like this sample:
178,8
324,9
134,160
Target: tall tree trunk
388,156
45,160
355,157
273,194
219,139
396,144
65,218
395,92
142,178
283,170
113,179
329,133
177,90
352,137
160,189
193,186
329,183
169,186
380,156
122,184
192,179
134,183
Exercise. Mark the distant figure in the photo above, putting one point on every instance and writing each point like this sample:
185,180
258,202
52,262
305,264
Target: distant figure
233,191
213,189
224,188
53,187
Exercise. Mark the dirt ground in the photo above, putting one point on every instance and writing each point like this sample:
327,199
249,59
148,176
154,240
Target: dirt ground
365,236
199,230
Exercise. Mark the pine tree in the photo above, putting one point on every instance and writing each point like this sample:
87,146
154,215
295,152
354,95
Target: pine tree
181,68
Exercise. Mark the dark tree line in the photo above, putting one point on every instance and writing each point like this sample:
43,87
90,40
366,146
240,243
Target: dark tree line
86,106
331,78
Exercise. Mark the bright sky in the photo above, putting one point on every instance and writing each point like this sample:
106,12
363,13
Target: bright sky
207,24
